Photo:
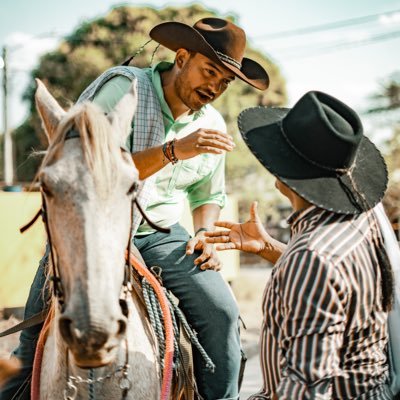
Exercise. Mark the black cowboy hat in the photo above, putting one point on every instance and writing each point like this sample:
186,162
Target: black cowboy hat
318,149
220,40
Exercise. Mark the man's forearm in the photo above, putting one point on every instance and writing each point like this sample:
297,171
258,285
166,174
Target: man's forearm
149,161
205,216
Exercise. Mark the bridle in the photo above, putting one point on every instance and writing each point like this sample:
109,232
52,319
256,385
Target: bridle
58,291
55,278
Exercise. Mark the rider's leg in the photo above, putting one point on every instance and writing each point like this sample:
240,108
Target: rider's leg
208,305
19,386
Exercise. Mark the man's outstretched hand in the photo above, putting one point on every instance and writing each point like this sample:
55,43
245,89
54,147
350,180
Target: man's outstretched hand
249,236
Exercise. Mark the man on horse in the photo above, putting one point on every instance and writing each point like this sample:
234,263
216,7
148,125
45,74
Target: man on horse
178,143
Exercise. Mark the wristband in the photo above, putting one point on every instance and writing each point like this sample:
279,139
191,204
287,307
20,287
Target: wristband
174,160
200,230
165,154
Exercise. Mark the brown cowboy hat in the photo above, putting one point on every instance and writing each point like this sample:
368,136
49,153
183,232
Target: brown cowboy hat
220,40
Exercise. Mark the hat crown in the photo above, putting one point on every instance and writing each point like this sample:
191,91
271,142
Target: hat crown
324,131
223,36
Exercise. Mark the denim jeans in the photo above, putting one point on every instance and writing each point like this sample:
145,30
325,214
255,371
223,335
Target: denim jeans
203,296
208,305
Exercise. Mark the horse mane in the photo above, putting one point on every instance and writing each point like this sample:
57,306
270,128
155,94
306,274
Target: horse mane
100,146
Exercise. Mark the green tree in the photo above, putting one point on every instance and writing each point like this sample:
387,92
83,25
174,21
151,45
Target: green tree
388,97
107,41
386,106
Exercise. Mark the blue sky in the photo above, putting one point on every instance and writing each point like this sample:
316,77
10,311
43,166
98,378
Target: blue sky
312,61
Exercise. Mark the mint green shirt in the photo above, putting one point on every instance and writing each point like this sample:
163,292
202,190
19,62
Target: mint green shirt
200,179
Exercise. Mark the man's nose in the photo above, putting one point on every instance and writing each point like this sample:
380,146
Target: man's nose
214,87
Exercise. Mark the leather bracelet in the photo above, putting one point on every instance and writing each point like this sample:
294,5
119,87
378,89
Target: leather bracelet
168,151
200,230
174,160
165,155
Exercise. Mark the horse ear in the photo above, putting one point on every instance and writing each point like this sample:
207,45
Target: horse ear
121,116
49,110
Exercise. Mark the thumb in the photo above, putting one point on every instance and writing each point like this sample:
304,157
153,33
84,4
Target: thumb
254,217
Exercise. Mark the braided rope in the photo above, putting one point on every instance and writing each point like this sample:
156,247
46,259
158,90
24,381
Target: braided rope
156,316
191,333
91,386
169,344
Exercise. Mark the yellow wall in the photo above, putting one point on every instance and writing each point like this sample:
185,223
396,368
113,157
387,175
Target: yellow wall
20,253
230,258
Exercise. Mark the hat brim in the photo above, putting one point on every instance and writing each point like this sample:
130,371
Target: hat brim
176,35
260,129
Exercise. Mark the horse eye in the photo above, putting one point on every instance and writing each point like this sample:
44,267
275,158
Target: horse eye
133,188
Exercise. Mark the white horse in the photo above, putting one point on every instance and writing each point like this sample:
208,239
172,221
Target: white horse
86,181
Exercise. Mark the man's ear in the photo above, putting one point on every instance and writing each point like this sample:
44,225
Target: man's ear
181,57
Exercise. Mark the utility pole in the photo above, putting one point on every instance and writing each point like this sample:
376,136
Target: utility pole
7,143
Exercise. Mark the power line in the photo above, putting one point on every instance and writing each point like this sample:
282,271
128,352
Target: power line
343,45
325,27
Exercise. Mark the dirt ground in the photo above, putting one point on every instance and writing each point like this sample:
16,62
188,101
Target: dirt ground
248,288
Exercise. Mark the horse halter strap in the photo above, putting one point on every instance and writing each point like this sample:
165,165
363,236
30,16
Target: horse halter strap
58,290
55,277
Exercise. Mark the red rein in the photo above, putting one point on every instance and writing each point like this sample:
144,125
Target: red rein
169,337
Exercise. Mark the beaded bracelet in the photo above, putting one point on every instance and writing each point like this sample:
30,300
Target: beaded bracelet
169,153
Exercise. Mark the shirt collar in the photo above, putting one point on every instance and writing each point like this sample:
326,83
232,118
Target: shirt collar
156,80
298,218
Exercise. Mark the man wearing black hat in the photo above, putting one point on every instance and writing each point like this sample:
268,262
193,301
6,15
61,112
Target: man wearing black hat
178,144
324,334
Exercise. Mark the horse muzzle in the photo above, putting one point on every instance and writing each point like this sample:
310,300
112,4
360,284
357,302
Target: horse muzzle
92,344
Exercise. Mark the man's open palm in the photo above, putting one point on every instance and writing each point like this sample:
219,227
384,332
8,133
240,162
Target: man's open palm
249,236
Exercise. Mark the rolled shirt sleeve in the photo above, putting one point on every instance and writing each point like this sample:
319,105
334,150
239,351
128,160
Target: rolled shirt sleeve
314,323
211,188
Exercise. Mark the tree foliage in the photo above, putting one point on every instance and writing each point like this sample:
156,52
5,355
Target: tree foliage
107,41
385,103
388,97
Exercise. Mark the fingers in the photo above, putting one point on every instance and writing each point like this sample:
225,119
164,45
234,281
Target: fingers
210,141
226,246
215,234
211,262
220,238
222,224
204,256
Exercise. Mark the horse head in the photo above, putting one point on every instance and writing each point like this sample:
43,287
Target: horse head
88,185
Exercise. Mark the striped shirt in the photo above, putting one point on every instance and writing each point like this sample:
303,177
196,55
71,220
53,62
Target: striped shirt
324,333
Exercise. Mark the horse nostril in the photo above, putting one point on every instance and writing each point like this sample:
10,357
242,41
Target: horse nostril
121,327
65,324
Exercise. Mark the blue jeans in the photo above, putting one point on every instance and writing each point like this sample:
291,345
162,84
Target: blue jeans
203,296
208,305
